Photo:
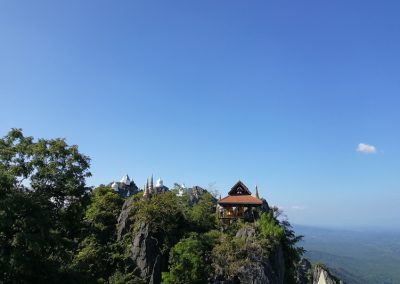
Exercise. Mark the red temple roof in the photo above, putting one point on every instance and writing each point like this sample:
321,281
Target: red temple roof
240,199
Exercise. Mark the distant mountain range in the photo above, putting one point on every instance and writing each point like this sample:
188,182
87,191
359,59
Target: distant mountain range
367,256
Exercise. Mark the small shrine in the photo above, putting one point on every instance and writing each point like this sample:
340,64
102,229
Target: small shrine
239,204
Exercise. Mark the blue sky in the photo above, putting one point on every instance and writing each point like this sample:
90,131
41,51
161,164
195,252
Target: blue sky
275,93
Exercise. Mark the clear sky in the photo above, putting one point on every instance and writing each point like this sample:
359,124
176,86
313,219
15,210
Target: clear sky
275,93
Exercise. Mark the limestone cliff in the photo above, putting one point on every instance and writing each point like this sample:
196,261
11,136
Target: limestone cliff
146,256
321,275
148,241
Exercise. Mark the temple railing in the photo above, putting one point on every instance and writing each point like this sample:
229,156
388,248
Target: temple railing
230,215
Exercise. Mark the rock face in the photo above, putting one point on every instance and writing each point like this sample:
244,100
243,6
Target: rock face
321,275
246,233
271,270
194,194
259,269
145,253
123,219
149,259
317,274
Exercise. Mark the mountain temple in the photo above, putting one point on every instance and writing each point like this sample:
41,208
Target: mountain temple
239,204
150,189
126,187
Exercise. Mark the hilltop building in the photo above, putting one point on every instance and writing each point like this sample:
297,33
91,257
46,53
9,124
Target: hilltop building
239,204
182,190
150,189
125,187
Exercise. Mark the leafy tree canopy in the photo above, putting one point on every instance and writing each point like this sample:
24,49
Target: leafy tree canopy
55,229
43,196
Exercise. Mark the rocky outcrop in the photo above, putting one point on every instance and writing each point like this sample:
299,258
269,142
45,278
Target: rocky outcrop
317,274
194,194
146,256
258,268
123,219
149,257
246,233
257,273
321,275
145,240
261,269
266,270
145,252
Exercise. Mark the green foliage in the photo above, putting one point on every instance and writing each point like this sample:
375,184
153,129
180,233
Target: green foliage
98,255
234,257
202,215
54,229
229,255
43,197
189,260
125,277
170,217
25,239
102,214
164,213
269,232
292,253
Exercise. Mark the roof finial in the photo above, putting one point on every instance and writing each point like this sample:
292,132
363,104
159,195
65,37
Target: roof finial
258,196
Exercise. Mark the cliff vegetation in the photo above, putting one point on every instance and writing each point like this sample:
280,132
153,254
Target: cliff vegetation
55,229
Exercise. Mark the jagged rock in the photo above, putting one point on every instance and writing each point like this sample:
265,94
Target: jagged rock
149,260
194,194
123,219
246,233
259,269
145,253
321,275
256,273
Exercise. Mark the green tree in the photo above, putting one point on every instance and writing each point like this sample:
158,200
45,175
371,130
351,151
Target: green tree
229,255
292,252
202,215
269,231
189,260
99,253
102,213
43,197
164,213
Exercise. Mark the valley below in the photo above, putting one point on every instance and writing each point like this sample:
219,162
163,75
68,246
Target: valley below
355,256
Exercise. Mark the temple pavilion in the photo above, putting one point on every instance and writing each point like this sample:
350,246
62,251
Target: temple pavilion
239,203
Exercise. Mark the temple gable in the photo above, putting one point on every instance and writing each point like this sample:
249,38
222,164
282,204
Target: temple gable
239,189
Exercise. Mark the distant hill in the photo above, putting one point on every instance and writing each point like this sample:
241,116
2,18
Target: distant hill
355,256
